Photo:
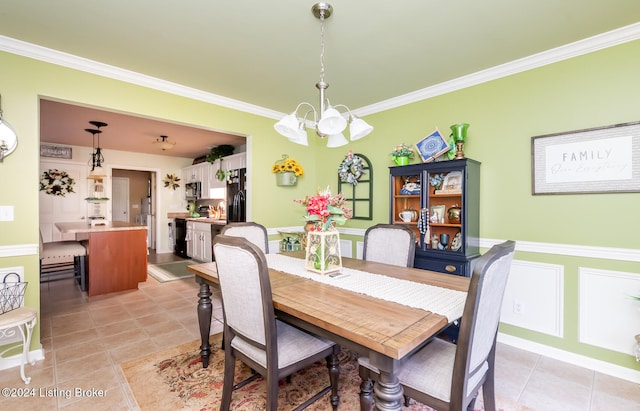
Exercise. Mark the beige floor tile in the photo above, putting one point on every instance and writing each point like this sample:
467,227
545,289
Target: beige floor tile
142,308
132,351
115,341
77,351
76,368
152,319
110,315
113,399
611,393
71,323
117,328
83,336
92,386
34,402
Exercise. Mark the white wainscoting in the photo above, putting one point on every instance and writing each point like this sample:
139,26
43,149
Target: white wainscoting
609,317
534,297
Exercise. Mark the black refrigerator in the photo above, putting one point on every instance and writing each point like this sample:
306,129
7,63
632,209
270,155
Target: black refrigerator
236,196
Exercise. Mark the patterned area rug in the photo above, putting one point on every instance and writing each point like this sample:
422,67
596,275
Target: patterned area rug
170,271
175,380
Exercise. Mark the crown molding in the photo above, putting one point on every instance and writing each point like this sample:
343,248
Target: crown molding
578,48
105,70
591,44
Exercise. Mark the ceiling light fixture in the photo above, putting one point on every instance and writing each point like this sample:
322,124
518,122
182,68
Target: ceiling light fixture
96,155
164,144
331,123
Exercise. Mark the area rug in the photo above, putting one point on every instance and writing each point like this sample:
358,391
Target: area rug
176,270
174,379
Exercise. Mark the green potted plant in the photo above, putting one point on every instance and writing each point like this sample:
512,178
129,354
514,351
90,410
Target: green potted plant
217,153
402,154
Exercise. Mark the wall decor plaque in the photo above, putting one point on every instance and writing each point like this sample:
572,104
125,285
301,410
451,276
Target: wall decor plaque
596,160
48,150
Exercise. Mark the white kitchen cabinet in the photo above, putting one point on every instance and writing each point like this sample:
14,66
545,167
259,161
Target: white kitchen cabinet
192,174
234,161
199,241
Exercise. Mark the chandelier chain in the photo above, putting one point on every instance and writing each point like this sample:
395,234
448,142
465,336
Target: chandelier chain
322,47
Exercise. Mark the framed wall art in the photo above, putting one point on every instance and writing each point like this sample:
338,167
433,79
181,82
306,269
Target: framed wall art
596,160
432,146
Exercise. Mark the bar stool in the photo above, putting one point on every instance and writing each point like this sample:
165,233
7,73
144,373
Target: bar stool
24,318
55,264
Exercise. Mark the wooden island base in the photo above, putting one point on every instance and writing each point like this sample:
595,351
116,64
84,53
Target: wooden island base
116,253
117,261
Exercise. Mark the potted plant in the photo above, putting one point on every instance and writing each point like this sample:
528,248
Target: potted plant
401,154
287,171
217,153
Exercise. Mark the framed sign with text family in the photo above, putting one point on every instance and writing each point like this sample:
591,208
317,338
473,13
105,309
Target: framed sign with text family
596,160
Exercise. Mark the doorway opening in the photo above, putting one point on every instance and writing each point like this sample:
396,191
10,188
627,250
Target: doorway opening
134,199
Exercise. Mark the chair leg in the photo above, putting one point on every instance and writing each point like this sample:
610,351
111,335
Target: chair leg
227,385
366,390
272,390
488,393
333,364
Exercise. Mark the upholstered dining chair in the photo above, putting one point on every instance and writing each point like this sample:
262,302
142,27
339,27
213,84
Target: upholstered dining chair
253,335
254,232
55,261
446,376
390,244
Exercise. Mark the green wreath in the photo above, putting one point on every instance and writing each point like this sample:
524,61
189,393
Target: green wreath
56,183
351,169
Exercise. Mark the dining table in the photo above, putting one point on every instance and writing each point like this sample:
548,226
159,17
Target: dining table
382,311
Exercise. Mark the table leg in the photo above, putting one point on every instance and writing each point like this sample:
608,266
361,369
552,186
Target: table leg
205,309
388,394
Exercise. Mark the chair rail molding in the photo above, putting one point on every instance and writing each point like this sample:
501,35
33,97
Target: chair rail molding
18,250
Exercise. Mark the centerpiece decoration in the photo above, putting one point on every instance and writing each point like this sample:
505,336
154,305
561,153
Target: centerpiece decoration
287,171
56,183
402,154
324,212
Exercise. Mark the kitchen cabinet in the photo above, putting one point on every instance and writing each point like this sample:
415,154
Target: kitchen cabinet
199,241
234,161
192,174
447,195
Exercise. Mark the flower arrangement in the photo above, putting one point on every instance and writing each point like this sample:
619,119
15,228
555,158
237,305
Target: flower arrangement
56,183
403,150
287,165
325,210
351,168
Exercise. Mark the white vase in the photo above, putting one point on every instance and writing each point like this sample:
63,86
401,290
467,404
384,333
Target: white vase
323,252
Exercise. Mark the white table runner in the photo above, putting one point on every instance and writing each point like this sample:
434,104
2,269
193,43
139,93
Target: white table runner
443,301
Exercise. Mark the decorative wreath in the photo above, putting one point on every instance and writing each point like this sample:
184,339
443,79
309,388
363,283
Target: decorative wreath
56,183
351,168
171,181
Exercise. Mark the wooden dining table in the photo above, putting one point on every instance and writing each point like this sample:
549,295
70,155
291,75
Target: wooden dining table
385,331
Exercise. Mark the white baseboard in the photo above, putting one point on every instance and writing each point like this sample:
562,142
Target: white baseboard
572,358
14,360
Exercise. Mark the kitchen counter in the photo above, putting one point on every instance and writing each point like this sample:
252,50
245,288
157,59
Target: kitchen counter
82,227
208,220
116,254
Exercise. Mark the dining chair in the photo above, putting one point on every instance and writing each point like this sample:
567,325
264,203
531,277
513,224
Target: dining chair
254,232
252,333
446,376
392,244
56,262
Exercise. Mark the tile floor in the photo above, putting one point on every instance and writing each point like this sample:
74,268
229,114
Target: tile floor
85,340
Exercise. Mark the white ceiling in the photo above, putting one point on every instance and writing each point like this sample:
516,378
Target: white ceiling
267,53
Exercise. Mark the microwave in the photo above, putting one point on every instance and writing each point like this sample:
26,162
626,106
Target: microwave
192,191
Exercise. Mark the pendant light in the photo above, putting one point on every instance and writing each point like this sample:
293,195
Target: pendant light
331,122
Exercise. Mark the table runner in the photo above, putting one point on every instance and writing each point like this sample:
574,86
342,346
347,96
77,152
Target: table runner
443,301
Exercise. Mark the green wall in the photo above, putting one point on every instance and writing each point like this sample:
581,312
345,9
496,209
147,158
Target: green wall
598,89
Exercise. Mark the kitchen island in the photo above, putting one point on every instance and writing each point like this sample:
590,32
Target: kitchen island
116,254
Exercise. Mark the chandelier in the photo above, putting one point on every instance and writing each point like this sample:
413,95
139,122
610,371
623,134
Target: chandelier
96,155
164,144
328,121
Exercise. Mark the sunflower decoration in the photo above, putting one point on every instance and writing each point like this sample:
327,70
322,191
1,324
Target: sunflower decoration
287,165
171,181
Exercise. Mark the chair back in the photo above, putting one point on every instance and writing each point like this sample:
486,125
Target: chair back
479,325
390,244
245,289
254,232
